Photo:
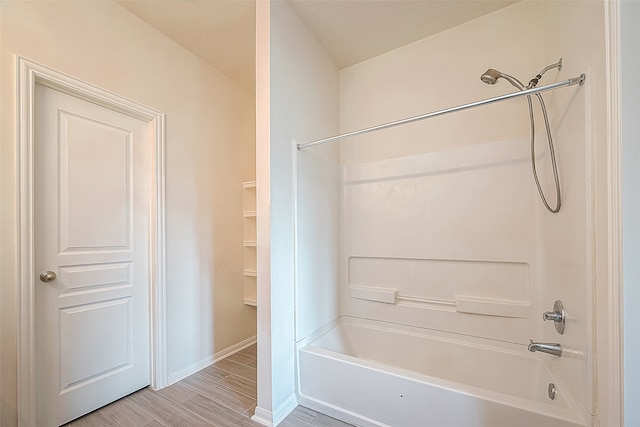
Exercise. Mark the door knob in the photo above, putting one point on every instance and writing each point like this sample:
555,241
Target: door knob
48,276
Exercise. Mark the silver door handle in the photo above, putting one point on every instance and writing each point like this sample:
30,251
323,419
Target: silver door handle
48,276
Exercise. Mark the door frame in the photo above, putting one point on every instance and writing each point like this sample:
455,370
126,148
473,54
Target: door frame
29,73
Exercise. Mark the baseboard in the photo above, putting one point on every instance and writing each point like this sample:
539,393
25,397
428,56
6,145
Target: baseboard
285,409
263,417
209,360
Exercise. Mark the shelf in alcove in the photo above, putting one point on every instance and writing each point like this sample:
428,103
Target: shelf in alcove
251,300
249,225
250,287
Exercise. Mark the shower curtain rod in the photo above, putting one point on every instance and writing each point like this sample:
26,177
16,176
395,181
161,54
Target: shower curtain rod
565,83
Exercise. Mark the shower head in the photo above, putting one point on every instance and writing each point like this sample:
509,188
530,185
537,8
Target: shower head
491,77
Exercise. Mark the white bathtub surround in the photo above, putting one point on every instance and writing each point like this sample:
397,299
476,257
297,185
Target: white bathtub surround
374,373
443,240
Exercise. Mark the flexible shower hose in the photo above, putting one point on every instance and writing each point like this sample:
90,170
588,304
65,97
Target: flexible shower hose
554,166
519,85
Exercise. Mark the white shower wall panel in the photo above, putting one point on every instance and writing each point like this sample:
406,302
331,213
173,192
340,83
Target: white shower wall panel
461,203
448,235
318,227
566,239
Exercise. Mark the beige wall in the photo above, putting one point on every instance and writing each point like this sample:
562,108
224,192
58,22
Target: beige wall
209,125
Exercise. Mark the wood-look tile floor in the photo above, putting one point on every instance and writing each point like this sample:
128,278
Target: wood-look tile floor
221,395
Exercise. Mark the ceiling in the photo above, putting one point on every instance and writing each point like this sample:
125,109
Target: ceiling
222,32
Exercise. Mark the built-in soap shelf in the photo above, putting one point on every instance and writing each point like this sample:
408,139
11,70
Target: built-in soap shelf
249,243
482,287
461,304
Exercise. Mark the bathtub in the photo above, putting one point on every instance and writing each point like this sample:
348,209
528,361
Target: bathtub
351,371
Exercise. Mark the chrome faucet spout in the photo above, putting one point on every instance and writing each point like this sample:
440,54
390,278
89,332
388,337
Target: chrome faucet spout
555,349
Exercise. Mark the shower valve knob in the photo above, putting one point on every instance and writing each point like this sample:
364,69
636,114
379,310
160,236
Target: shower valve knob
558,315
552,315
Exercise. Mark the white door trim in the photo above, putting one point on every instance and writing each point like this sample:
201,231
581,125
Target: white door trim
28,74
610,338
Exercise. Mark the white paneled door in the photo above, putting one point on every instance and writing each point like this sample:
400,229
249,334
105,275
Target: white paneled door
91,229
